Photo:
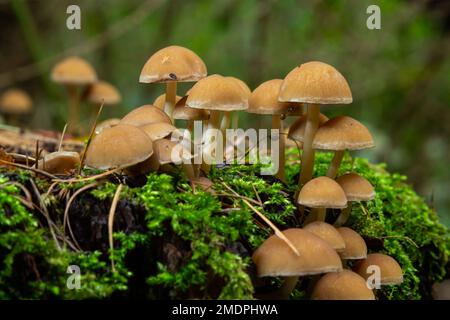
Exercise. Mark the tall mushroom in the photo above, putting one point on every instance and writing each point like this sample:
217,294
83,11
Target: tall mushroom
14,103
356,188
314,83
275,259
74,73
322,193
340,134
171,65
264,100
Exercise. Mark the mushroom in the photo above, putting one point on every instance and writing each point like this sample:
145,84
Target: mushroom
59,162
322,193
145,114
340,134
106,124
275,259
120,146
171,65
103,92
344,285
73,72
390,271
355,246
158,130
14,103
328,233
297,129
160,101
264,100
313,83
226,120
356,188
217,94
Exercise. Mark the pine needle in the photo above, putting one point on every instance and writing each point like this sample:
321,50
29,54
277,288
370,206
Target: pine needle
112,212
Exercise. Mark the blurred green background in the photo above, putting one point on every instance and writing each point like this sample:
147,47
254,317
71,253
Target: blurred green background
399,75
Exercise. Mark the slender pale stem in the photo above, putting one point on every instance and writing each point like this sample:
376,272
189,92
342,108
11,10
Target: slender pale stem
277,123
224,125
171,97
213,123
321,214
343,217
235,120
312,124
335,163
73,109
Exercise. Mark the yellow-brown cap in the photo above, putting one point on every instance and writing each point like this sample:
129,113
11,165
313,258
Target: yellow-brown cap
356,188
275,258
59,162
173,63
355,246
245,89
322,192
264,99
315,82
326,232
342,133
158,130
145,114
216,92
297,129
106,124
15,101
167,151
118,147
161,101
390,271
74,71
183,112
103,92
344,285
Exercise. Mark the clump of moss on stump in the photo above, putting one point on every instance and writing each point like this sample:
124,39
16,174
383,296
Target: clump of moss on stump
173,243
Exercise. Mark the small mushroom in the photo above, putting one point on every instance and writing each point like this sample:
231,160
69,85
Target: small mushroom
355,246
275,259
171,65
356,188
73,72
158,130
297,129
59,162
328,233
160,101
390,271
103,92
344,285
322,193
15,103
106,124
340,134
314,83
145,114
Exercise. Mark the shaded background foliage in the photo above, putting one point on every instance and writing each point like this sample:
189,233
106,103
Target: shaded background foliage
399,75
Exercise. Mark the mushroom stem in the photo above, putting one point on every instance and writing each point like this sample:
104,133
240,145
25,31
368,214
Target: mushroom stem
321,214
188,169
343,217
335,163
288,286
277,124
73,108
235,120
224,125
312,124
171,97
213,123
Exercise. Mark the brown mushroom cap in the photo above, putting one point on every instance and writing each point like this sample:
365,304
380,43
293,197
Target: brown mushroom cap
326,232
173,63
167,151
183,112
264,99
342,133
246,90
219,93
275,258
391,272
73,71
15,101
356,188
103,92
158,130
106,124
315,82
297,129
145,114
355,246
322,192
161,101
59,162
118,147
344,285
